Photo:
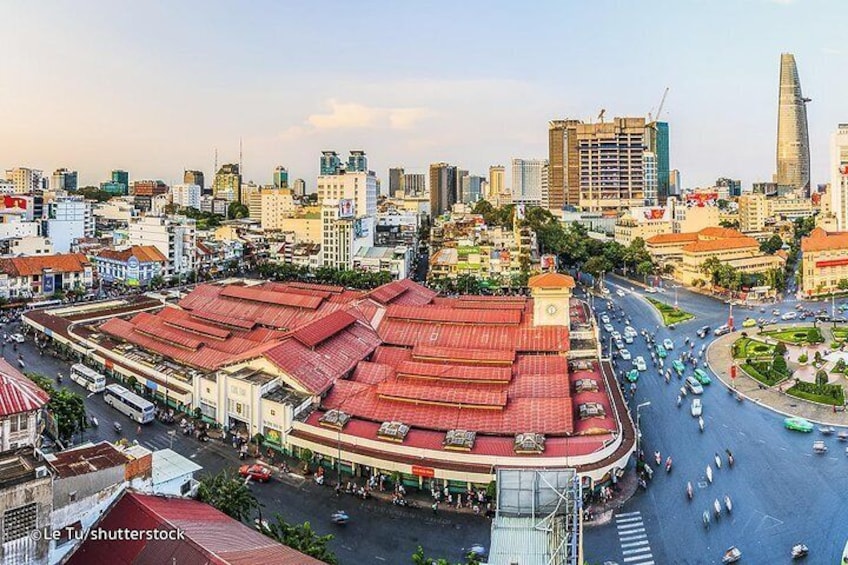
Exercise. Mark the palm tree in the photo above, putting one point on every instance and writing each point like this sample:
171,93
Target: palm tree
229,494
300,537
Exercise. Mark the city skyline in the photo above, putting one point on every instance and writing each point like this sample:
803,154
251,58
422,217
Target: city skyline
473,104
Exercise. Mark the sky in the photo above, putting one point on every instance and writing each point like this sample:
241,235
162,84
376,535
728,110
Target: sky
155,87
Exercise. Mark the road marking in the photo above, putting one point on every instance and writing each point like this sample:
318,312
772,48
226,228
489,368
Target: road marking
631,538
623,514
635,543
637,550
637,558
380,558
625,520
634,531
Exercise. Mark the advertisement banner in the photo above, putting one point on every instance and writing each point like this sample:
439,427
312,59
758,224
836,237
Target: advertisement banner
132,271
14,202
346,208
48,283
701,199
549,262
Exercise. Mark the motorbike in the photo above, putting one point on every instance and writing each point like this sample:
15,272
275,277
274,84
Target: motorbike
118,428
706,519
729,457
679,400
657,457
668,465
683,391
709,474
701,423
799,550
728,503
94,422
340,517
689,492
59,378
717,508
718,461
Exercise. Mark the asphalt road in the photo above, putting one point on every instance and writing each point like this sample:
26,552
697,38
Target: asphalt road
782,493
378,531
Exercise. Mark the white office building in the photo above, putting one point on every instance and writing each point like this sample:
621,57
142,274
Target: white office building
68,218
527,181
649,161
174,236
25,180
186,195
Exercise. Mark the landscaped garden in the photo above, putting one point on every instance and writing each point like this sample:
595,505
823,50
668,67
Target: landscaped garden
767,371
840,333
796,336
819,391
745,348
670,314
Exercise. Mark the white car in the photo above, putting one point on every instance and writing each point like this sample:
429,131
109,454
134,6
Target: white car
789,316
17,338
619,344
625,354
620,293
651,290
696,407
605,290
605,319
608,327
616,335
639,362
628,338
630,331
668,344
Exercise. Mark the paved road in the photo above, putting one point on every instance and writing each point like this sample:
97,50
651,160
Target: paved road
781,492
378,532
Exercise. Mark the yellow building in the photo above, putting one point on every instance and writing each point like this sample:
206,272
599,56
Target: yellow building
756,211
627,228
275,205
824,261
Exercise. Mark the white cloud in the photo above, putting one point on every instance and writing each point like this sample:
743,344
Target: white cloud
351,115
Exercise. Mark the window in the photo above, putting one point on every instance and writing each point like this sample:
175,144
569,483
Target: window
18,522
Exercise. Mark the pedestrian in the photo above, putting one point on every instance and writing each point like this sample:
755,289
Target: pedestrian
138,431
435,507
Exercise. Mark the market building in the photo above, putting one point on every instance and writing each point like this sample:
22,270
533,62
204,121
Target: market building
135,266
397,379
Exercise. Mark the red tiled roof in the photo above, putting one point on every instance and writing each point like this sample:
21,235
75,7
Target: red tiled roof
460,397
18,393
222,319
372,373
321,329
144,253
389,355
34,265
445,372
551,280
820,240
271,297
711,245
464,354
552,339
315,286
720,233
388,292
199,328
413,294
210,536
663,238
454,316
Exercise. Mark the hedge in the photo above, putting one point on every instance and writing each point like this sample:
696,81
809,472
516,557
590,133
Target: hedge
826,394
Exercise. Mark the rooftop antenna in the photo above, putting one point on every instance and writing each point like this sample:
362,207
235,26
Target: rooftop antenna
241,171
215,165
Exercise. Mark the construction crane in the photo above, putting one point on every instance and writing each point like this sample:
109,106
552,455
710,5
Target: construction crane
662,103
601,115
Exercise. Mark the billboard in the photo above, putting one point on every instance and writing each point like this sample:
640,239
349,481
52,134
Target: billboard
133,269
701,199
346,208
549,262
48,285
10,201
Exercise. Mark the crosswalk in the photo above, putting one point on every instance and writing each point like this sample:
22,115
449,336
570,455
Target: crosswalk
633,539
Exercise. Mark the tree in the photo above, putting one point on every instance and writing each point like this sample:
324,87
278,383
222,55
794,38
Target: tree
821,377
813,336
419,558
229,494
733,224
237,210
840,366
644,269
306,458
157,282
779,365
67,407
780,348
300,537
842,284
771,245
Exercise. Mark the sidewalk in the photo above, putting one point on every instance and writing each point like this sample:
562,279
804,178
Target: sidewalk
719,358
604,511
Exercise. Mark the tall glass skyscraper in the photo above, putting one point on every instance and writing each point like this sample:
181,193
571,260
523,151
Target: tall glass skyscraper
793,140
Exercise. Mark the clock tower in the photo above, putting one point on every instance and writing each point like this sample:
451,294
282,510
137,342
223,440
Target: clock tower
551,294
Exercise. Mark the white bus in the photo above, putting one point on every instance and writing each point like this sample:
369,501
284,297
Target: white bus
88,378
129,403
43,304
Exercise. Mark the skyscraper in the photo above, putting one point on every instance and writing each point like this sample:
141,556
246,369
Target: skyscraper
357,162
734,187
396,189
196,178
839,176
281,177
330,163
63,179
443,188
657,134
527,181
563,164
299,187
414,184
793,141
227,183
496,182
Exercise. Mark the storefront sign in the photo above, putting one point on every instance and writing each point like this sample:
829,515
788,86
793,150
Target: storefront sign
426,472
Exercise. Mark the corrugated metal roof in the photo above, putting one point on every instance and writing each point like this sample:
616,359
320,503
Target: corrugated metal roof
271,297
85,460
462,397
450,372
204,329
18,393
168,464
321,329
463,354
455,315
210,536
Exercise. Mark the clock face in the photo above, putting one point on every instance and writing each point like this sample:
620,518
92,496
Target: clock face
552,309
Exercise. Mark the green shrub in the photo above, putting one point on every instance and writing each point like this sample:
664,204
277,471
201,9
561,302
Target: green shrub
780,348
780,365
839,367
824,393
803,358
821,377
813,336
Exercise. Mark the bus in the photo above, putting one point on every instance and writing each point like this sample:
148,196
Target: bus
43,304
87,378
129,403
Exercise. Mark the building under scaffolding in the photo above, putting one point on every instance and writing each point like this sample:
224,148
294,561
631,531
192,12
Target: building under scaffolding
538,518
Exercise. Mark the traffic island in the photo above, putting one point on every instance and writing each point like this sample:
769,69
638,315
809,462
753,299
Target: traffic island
670,314
720,358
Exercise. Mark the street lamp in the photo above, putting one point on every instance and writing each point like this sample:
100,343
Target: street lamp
638,429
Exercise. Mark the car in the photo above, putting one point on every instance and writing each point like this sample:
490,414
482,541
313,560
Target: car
605,290
694,386
672,326
661,351
651,290
608,327
842,307
628,338
630,330
620,293
823,317
616,335
605,319
678,366
702,333
702,377
668,344
640,364
618,343
633,375
798,425
256,472
721,330
696,409
775,312
624,354
750,322
17,338
789,316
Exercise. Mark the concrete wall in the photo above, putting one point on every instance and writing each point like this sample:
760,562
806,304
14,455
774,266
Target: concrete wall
25,549
85,485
